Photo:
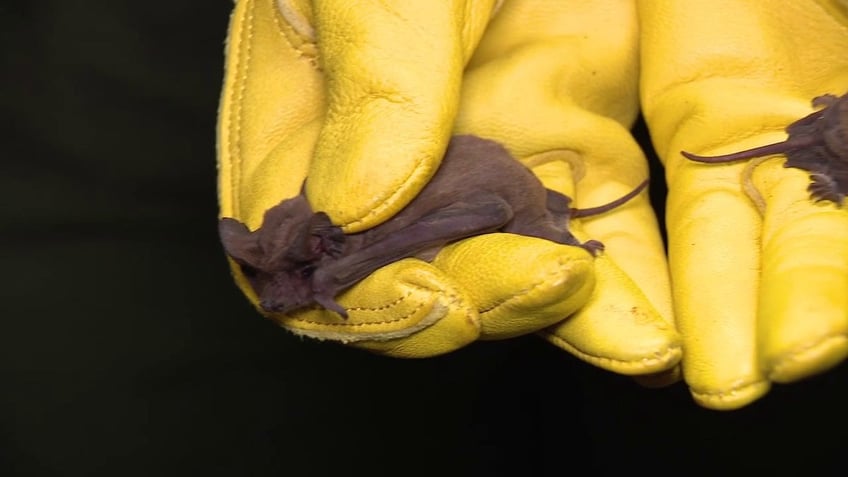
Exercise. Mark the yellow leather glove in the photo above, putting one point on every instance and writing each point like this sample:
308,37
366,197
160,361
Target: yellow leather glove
557,83
367,120
760,292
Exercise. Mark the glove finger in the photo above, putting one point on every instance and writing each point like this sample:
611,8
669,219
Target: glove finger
707,91
627,327
618,329
716,317
393,74
519,284
577,63
408,309
571,121
629,227
266,134
803,318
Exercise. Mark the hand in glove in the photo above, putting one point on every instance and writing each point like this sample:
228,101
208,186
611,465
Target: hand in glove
760,269
363,101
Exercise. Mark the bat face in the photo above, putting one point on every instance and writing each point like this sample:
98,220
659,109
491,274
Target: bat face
281,256
285,290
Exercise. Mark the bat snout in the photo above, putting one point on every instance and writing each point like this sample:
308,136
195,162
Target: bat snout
271,305
277,306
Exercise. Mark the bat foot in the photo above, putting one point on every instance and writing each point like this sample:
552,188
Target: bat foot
822,188
593,247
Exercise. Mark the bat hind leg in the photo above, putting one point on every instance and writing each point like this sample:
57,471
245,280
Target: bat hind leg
544,228
594,247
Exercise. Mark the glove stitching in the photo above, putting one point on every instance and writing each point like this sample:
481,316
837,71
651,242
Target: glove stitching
241,66
378,336
624,366
427,321
453,298
386,306
725,395
306,35
409,315
295,20
795,356
349,324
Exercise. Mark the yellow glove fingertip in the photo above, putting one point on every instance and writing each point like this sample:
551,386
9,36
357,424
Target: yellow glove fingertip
730,398
803,320
618,329
820,357
519,284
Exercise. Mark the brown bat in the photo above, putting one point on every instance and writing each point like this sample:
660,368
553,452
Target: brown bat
298,258
817,143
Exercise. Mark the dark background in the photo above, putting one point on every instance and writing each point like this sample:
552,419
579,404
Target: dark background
127,350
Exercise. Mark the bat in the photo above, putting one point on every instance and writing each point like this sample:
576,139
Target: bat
817,143
297,258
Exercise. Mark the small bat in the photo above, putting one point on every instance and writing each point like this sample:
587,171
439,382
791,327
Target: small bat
298,258
817,143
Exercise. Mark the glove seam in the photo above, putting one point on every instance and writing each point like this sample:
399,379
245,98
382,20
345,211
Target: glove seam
368,309
431,318
293,19
726,395
307,37
452,299
235,118
786,359
644,364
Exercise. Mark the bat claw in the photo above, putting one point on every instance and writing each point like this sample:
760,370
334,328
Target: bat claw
593,247
330,305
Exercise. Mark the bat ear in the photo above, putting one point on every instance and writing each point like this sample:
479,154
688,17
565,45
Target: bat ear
316,238
326,238
239,242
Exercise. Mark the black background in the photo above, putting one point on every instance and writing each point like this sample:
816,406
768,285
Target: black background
127,350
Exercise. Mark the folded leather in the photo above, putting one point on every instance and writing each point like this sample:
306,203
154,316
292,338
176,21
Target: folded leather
759,296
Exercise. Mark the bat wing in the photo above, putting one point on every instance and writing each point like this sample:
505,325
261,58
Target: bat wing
477,215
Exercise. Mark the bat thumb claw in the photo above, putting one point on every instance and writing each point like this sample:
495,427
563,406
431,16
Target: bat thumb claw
593,247
331,305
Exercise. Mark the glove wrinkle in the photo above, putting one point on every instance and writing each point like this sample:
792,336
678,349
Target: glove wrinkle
551,278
